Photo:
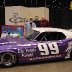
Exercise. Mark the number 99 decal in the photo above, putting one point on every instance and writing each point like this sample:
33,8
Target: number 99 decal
46,48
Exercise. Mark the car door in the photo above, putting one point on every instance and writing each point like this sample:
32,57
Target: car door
51,45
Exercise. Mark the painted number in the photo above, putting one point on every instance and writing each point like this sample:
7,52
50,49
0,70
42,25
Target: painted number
43,48
47,48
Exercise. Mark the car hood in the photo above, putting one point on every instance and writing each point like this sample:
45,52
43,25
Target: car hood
8,43
12,40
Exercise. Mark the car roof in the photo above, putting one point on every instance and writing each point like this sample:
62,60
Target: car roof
67,33
49,29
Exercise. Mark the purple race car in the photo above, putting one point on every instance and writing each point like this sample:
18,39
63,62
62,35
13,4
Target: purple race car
43,44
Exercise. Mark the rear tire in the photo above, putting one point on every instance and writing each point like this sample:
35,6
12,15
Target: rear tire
8,59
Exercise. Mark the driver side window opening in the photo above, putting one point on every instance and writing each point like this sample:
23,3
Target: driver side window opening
48,36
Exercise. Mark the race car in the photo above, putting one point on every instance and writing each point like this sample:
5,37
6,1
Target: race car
43,44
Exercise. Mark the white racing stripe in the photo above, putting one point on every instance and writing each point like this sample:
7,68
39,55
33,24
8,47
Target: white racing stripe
12,42
24,45
7,42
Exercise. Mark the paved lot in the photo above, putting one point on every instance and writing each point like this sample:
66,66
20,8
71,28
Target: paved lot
60,66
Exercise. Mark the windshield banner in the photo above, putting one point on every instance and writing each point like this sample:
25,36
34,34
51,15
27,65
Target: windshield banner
12,30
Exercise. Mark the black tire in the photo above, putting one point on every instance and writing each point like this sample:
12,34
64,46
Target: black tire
8,59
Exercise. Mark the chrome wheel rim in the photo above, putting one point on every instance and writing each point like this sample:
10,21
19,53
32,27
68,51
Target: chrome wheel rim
7,59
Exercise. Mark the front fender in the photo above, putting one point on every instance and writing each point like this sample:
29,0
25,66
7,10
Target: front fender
8,51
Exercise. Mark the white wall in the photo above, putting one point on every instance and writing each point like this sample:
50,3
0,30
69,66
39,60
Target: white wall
25,12
46,13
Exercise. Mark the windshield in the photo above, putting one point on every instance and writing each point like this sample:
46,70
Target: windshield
32,35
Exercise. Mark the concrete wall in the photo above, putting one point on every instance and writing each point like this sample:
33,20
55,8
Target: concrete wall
24,12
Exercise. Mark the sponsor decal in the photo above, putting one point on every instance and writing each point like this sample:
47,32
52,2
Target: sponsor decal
69,49
46,50
46,57
27,52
